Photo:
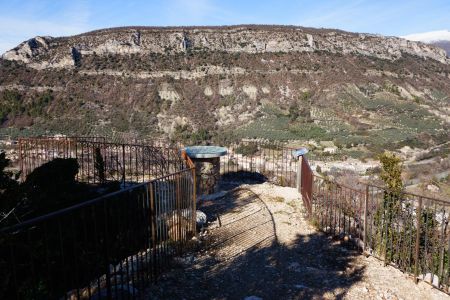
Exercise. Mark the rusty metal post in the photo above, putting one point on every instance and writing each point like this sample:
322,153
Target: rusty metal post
76,157
179,217
416,254
366,204
21,160
191,165
123,164
299,173
194,202
442,252
153,227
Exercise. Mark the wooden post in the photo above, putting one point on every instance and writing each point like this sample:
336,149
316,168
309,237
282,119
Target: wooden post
416,254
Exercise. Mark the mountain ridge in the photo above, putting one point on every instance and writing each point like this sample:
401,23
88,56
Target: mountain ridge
271,82
126,40
440,38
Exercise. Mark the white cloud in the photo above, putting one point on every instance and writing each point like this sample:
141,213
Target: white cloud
428,37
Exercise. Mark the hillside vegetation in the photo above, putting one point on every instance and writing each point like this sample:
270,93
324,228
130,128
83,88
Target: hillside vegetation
271,82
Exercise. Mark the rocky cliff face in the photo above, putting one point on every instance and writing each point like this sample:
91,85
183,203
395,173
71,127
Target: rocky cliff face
444,45
47,52
255,81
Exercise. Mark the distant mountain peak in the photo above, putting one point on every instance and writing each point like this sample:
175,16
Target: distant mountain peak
429,37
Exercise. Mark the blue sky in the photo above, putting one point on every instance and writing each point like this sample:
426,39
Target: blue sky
23,19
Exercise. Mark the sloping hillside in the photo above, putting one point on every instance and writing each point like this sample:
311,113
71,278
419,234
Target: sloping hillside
273,82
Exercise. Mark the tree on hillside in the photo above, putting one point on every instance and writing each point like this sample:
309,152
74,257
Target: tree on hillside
390,208
391,172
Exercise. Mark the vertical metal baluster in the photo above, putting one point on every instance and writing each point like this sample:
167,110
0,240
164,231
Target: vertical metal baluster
153,227
13,266
87,243
61,249
364,229
447,274
442,247
47,259
418,232
106,247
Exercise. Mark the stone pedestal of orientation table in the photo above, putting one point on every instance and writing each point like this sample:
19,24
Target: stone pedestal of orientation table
207,166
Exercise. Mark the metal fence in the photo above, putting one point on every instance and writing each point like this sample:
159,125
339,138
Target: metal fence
272,160
112,246
405,230
306,183
102,161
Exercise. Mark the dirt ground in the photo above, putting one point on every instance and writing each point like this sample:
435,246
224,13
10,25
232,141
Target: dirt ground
258,245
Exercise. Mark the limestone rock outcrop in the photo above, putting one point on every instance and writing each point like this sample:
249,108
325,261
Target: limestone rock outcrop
48,52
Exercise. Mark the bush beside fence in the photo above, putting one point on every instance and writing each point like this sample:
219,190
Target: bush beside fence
407,231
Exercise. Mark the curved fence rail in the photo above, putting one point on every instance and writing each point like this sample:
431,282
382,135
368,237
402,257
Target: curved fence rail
109,247
272,160
112,246
124,239
102,161
405,230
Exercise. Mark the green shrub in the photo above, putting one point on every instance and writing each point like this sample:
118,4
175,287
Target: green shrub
247,149
200,136
390,209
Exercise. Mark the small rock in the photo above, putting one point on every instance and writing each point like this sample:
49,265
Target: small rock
300,286
185,261
201,218
295,266
433,188
253,298
432,279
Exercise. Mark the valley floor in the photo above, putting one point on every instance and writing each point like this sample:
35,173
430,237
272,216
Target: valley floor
258,245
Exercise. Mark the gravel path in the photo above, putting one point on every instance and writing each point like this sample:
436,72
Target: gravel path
259,245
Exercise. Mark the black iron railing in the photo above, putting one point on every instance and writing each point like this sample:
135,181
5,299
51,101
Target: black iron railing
136,230
112,246
119,162
274,161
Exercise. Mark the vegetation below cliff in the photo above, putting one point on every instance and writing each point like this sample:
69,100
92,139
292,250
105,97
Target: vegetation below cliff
276,83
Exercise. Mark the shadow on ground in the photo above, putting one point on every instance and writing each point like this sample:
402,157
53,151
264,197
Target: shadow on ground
234,179
243,257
